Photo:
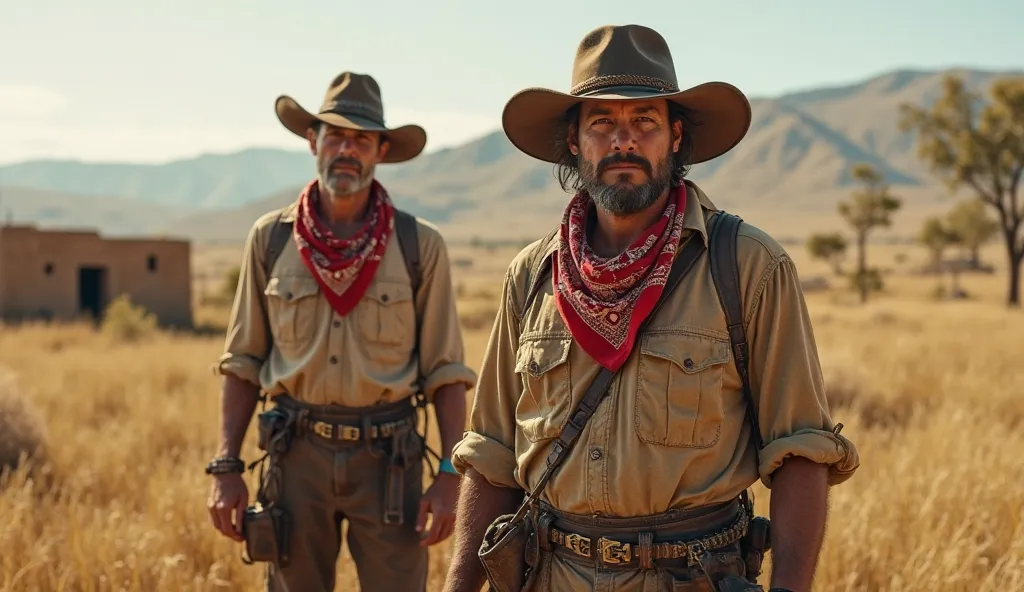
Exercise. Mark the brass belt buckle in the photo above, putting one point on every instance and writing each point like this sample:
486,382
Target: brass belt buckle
323,429
349,433
578,544
614,552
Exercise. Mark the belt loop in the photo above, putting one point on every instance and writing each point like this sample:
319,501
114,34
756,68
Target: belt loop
368,439
646,550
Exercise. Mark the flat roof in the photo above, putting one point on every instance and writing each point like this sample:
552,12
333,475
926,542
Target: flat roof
92,233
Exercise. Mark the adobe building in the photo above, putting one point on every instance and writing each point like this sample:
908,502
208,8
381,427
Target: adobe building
66,275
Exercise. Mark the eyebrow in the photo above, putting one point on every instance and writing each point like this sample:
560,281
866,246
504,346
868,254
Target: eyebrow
595,111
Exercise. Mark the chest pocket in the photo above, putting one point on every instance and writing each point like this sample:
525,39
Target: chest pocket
679,390
543,364
292,303
387,319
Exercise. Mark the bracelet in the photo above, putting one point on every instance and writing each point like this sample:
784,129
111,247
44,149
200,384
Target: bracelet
446,466
225,464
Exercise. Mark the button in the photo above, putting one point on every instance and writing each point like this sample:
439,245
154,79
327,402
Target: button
334,359
288,295
337,323
688,364
534,366
595,454
383,297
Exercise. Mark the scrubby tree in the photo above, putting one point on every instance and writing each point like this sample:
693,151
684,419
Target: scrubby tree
970,222
981,148
936,236
869,208
830,248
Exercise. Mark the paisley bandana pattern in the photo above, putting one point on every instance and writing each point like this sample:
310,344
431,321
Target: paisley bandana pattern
604,300
344,268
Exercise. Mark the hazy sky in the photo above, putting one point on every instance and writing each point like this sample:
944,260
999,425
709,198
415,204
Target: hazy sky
159,79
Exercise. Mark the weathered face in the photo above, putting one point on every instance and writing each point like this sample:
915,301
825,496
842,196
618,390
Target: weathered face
346,159
625,152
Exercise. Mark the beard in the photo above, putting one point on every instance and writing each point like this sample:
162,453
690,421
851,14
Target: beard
342,183
623,197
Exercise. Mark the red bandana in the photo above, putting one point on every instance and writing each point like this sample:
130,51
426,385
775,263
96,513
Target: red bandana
343,268
603,301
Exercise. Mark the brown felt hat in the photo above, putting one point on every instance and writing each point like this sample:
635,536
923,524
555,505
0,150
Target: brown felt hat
628,62
353,101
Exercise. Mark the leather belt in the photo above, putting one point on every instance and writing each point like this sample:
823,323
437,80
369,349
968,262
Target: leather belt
343,432
643,550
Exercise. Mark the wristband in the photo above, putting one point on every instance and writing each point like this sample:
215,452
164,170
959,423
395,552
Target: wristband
225,464
446,466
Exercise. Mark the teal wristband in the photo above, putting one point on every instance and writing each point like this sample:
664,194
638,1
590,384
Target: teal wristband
446,466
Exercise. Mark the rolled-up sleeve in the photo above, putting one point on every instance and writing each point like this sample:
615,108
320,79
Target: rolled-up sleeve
787,382
442,352
488,446
247,342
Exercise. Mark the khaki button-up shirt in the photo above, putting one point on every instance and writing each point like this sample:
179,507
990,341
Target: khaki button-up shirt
284,336
672,431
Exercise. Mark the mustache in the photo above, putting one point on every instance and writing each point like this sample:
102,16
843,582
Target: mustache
345,160
624,157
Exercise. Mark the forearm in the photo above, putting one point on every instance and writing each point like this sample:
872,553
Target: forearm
238,403
799,506
450,409
479,504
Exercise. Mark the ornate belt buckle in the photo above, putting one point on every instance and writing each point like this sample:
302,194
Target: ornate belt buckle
614,552
349,433
578,544
323,429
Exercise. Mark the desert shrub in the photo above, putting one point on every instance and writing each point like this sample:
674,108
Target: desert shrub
230,285
23,442
124,321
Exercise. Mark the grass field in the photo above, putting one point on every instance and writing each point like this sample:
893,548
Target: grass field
931,392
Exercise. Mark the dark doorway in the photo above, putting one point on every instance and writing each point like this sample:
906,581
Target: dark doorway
92,290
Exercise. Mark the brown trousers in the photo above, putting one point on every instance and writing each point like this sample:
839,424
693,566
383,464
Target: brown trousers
324,483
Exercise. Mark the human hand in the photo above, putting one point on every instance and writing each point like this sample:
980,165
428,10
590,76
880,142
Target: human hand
439,502
229,497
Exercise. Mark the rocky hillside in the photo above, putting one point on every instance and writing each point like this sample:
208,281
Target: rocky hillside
792,167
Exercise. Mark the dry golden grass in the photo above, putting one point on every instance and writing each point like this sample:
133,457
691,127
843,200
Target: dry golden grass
929,391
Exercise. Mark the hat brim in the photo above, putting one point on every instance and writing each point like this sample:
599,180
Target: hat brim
532,115
405,142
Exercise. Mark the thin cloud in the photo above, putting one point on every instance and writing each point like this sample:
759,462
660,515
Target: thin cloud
21,101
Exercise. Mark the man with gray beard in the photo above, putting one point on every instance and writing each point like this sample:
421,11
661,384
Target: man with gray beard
344,317
651,359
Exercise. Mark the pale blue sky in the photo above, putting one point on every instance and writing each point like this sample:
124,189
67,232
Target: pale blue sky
160,79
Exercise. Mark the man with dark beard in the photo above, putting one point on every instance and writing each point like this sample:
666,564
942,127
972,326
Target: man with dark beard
647,365
345,317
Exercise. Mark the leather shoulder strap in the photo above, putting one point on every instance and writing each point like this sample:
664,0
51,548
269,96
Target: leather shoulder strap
279,234
599,387
408,240
406,232
725,274
541,267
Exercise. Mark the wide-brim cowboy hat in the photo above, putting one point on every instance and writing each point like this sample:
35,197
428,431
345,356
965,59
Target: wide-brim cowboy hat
353,101
629,62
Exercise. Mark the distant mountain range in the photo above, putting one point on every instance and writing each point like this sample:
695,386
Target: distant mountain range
786,176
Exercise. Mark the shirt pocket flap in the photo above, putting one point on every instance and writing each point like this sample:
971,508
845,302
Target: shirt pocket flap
386,293
292,288
541,355
690,353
